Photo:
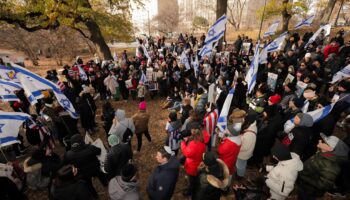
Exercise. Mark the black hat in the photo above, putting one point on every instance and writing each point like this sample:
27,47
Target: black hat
173,116
214,167
281,151
345,85
323,101
298,102
291,86
128,172
76,140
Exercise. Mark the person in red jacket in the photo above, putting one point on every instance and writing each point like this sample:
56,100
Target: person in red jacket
333,47
230,146
192,148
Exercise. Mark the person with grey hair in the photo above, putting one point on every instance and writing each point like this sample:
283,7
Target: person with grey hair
122,127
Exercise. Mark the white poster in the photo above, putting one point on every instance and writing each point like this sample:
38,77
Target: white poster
149,74
272,81
102,157
211,97
301,86
289,79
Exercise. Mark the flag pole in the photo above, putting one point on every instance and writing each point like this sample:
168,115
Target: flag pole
2,152
261,22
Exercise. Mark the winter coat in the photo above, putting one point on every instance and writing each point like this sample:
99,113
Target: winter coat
84,158
248,139
123,124
118,156
257,104
210,187
34,177
200,106
141,120
173,139
322,169
111,84
193,151
75,190
282,177
228,151
87,110
121,190
162,181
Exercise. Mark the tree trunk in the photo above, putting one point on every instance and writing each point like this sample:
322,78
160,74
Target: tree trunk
340,7
327,12
98,40
285,16
221,8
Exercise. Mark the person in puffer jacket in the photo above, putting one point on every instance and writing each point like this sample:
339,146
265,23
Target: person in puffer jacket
281,178
125,187
122,127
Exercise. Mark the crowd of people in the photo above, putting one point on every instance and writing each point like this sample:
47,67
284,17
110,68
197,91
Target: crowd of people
270,129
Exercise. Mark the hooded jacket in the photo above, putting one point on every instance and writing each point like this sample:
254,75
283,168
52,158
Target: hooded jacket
193,151
162,181
282,177
321,170
228,151
123,123
118,189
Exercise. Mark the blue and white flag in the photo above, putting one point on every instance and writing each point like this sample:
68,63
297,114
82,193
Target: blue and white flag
9,126
184,60
276,43
327,31
321,113
216,31
263,56
206,50
344,73
272,29
250,78
143,78
8,74
305,22
42,84
82,73
7,90
195,64
222,120
32,92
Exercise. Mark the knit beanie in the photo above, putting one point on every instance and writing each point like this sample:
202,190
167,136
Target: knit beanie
113,140
275,99
281,151
128,172
143,105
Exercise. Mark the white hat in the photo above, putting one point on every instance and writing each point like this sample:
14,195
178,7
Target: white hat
332,141
308,55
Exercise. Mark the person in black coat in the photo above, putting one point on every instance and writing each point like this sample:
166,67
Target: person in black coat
87,109
9,190
83,157
162,181
108,116
67,187
119,155
240,94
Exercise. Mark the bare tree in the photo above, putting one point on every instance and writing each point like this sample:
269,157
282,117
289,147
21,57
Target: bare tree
235,12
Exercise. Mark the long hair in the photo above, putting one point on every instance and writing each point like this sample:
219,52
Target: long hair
196,135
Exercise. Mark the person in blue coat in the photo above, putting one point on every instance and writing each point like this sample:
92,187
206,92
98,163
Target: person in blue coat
161,183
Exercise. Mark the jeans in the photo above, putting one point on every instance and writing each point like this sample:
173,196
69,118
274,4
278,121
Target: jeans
241,166
139,139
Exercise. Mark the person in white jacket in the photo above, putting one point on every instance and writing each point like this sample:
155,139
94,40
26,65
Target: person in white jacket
281,178
248,138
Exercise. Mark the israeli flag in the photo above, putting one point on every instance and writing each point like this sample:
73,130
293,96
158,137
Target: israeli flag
222,120
305,22
195,64
250,79
216,31
7,90
82,73
327,30
276,43
206,50
145,51
272,29
344,73
8,74
9,126
184,60
32,91
143,78
263,56
42,84
321,113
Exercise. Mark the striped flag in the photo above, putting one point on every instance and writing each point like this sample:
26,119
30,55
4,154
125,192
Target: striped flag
210,122
272,29
184,60
7,73
250,78
321,113
46,137
222,120
143,78
327,30
7,90
305,22
9,126
82,73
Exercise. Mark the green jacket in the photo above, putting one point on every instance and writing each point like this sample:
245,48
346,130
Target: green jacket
257,103
320,172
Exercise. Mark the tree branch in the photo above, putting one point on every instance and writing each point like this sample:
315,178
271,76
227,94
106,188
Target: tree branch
82,33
